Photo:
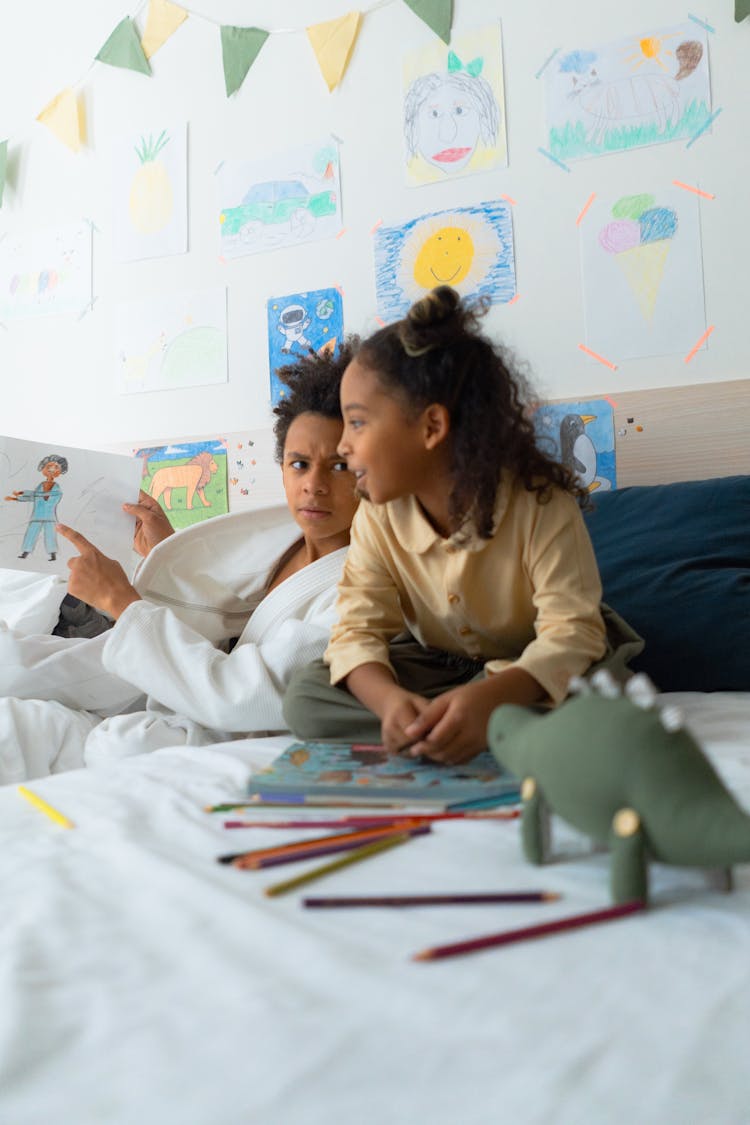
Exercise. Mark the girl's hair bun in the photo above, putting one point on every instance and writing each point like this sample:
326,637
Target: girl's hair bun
432,321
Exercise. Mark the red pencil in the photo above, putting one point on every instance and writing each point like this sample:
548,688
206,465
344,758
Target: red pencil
473,945
374,821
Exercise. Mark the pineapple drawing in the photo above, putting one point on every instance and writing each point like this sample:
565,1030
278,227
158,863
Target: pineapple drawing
151,198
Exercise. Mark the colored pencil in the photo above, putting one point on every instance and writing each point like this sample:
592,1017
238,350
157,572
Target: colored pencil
473,945
342,844
374,821
43,806
362,836
337,864
432,900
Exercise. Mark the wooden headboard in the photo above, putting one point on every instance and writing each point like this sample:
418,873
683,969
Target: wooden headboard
682,433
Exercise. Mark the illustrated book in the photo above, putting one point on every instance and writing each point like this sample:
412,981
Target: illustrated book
366,774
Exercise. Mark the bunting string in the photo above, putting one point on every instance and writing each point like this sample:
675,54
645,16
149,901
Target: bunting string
126,47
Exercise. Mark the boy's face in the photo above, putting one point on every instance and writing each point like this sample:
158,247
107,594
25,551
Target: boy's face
319,488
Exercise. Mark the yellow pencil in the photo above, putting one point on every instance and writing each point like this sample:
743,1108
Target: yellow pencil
38,803
324,868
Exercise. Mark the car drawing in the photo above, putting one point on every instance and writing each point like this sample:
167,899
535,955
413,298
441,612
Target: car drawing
277,201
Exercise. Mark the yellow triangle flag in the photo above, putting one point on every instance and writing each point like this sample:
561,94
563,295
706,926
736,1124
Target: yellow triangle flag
62,117
333,42
162,20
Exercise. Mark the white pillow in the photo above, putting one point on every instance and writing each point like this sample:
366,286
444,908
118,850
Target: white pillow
30,602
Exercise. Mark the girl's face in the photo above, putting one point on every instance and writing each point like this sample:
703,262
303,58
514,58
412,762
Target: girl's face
319,488
51,470
383,446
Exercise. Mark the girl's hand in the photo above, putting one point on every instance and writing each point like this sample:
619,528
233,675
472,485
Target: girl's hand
400,710
151,523
453,727
96,579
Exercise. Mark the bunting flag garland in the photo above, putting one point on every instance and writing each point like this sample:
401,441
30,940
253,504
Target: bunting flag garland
123,48
61,116
333,43
438,15
162,21
3,168
741,9
240,47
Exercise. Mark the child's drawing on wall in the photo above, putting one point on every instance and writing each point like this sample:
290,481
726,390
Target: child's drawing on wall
45,497
280,200
300,323
150,193
172,341
581,435
454,122
188,478
643,274
46,272
637,91
469,248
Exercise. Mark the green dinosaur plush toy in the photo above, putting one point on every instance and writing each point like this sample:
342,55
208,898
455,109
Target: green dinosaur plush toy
625,774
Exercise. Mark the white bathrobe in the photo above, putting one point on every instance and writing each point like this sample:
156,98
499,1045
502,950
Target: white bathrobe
161,676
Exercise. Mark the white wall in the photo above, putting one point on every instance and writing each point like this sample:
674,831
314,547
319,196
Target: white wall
59,374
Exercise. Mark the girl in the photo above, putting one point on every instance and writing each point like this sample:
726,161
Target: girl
472,540
162,676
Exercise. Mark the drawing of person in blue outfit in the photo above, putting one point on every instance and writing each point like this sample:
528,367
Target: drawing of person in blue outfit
45,498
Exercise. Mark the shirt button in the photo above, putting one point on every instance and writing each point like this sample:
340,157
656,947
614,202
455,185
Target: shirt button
453,598
464,630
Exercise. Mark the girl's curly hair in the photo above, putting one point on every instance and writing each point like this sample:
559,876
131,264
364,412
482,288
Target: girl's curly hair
438,353
314,381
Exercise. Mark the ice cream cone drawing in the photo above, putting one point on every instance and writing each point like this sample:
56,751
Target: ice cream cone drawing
640,238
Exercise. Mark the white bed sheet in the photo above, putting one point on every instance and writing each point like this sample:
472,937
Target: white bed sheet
143,982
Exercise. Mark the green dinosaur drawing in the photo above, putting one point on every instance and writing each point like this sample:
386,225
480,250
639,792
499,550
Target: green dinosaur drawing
625,775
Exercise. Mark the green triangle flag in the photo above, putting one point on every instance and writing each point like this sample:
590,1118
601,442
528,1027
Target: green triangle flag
438,15
3,168
741,9
240,47
123,48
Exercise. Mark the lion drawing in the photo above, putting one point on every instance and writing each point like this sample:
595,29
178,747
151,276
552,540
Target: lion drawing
193,476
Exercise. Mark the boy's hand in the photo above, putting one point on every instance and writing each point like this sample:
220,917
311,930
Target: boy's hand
151,523
96,579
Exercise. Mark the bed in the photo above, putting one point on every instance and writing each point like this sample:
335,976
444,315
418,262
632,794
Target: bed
145,982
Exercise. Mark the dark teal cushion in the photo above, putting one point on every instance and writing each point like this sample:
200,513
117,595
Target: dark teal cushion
675,563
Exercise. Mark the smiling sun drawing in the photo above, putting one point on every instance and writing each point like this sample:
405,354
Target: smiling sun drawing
441,252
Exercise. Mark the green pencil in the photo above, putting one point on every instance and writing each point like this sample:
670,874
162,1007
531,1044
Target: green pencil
335,865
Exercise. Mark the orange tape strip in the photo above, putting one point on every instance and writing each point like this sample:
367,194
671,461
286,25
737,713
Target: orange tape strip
600,358
697,191
695,346
585,208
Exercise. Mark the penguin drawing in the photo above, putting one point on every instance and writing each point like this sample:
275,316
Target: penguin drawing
578,452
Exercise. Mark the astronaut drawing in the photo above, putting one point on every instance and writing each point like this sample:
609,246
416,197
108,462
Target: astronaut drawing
293,320
45,498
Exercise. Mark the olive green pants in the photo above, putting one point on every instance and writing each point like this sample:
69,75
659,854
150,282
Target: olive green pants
317,710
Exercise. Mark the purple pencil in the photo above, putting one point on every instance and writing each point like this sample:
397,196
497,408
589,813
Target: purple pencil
477,898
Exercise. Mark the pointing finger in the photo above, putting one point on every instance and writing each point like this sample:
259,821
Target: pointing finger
79,541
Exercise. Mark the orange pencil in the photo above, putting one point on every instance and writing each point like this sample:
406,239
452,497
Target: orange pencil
362,836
